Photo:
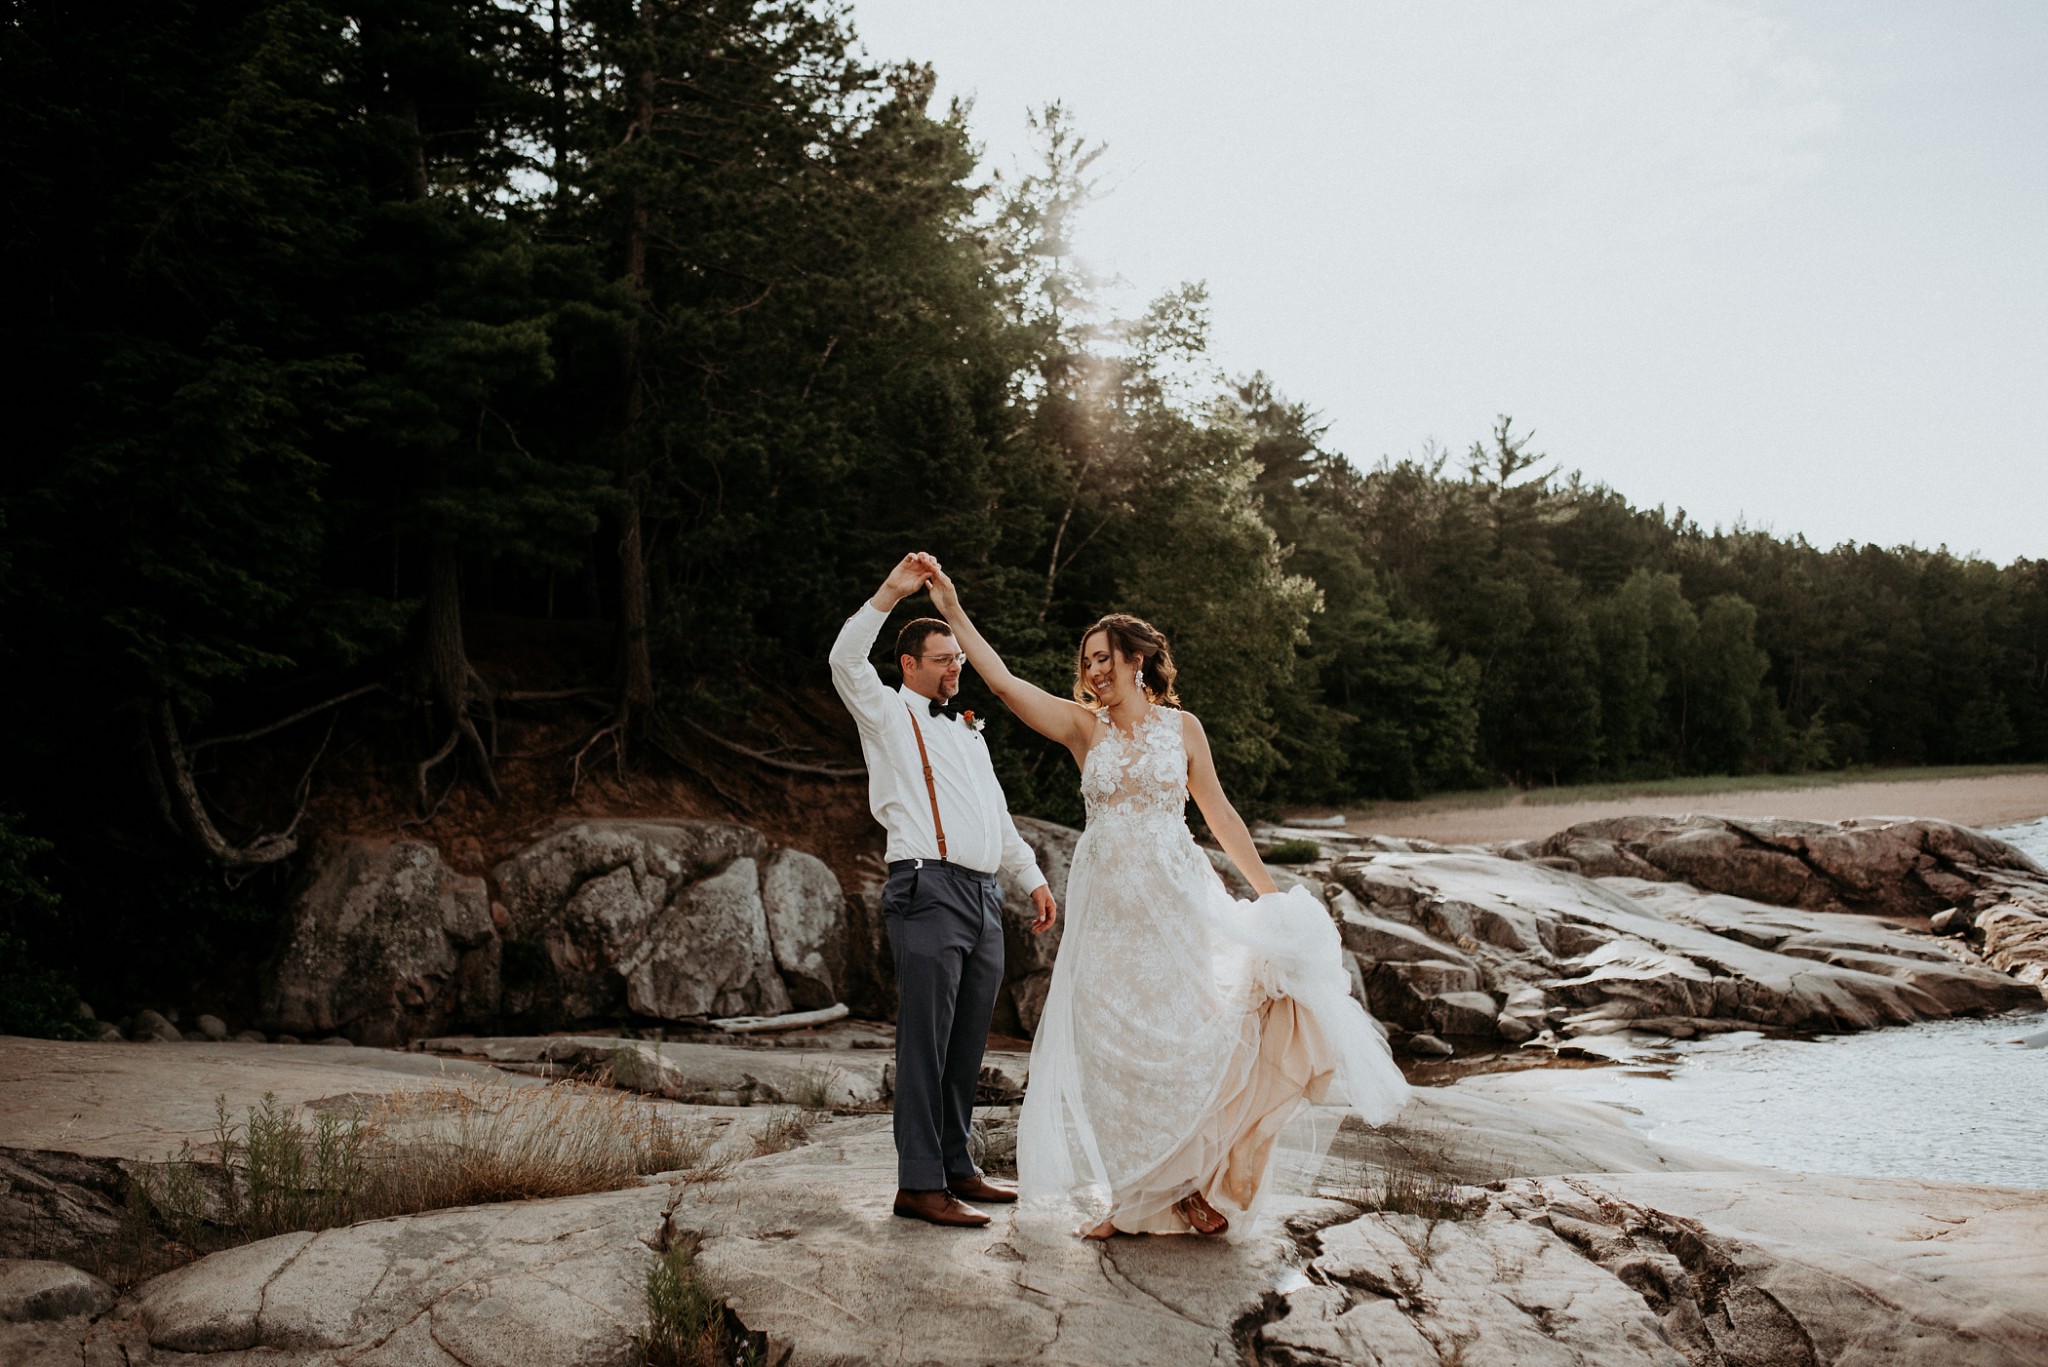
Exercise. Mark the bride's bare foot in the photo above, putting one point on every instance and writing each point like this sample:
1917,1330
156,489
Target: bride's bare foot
1106,1230
1203,1217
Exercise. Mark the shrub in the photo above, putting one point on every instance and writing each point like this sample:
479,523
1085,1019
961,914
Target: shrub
34,1000
1294,852
689,1324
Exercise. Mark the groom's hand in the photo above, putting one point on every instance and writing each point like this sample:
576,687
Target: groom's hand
907,578
1041,898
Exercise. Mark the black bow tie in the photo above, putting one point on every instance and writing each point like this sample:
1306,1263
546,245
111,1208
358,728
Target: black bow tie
949,709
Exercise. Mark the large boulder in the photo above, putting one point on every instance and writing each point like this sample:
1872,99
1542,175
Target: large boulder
1028,958
705,953
807,925
870,989
656,918
383,942
37,1289
1889,866
1623,953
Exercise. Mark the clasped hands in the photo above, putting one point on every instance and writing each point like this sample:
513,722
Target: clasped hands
918,570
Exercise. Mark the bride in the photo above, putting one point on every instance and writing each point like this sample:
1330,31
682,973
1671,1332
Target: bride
1182,1029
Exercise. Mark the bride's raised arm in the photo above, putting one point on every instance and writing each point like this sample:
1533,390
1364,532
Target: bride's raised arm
1222,819
1060,719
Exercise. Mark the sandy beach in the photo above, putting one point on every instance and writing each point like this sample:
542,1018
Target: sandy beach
1993,800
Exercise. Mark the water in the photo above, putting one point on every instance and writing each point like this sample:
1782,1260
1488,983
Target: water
2031,836
1949,1100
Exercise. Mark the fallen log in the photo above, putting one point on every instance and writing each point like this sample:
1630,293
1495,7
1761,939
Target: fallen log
795,1020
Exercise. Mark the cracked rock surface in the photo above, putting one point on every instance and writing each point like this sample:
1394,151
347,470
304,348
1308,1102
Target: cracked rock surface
1699,1269
519,1284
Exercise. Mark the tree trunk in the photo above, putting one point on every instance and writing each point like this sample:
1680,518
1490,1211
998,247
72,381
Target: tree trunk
447,678
558,99
636,664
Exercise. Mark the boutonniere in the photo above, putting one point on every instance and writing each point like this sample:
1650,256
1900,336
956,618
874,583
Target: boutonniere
974,723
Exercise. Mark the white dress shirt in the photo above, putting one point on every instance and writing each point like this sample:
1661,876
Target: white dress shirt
979,832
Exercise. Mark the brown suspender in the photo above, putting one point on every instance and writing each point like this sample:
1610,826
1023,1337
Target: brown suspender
931,788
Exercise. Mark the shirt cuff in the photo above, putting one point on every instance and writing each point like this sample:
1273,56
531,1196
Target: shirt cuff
1031,881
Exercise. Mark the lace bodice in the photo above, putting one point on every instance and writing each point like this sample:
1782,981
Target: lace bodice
1144,773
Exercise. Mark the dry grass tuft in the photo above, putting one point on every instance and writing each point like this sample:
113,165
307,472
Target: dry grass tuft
1415,1177
401,1155
787,1127
815,1087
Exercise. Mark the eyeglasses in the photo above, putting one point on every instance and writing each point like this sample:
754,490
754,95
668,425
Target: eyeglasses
943,660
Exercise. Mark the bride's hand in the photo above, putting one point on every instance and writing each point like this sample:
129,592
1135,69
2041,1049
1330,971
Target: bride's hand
945,596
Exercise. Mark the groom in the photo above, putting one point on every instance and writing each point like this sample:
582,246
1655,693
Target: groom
933,789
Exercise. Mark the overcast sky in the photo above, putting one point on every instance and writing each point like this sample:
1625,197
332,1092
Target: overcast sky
1778,262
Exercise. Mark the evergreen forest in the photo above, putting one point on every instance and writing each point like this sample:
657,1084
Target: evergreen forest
373,358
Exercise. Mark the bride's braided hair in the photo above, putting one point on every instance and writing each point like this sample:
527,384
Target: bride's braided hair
1129,636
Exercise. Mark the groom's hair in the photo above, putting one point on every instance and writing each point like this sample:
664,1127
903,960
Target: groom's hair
918,630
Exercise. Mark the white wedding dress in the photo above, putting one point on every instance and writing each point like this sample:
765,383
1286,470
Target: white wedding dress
1183,1029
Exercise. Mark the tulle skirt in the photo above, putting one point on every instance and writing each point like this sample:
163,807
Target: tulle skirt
1183,1036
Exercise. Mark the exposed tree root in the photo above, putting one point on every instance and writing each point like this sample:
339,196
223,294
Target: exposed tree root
628,725
168,767
615,730
447,681
773,762
463,729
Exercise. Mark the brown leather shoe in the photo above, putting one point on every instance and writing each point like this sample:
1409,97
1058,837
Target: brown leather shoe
979,1188
937,1208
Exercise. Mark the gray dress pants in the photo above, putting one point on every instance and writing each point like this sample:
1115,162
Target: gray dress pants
946,934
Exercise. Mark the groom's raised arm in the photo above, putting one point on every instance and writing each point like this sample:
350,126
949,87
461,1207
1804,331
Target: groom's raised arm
853,674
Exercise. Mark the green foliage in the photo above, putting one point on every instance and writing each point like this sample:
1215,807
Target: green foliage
688,1324
1293,852
34,999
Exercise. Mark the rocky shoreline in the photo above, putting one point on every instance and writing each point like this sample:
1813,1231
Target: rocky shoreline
1548,1232
1674,925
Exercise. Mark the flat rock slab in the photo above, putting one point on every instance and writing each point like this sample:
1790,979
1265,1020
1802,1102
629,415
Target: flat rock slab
1499,1125
144,1100
515,1285
806,1249
733,1071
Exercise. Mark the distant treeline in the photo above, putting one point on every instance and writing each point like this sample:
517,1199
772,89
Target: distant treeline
332,327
